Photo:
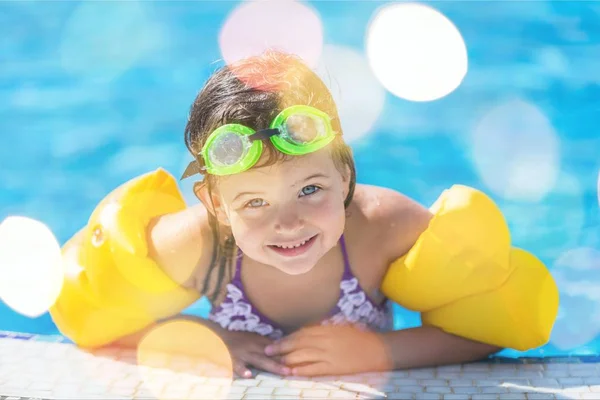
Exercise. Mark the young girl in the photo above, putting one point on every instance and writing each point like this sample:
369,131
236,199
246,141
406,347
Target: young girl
288,248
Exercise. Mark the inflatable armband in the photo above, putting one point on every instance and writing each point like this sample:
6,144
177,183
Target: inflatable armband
464,277
112,288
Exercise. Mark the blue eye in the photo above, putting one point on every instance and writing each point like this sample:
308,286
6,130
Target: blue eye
255,203
310,189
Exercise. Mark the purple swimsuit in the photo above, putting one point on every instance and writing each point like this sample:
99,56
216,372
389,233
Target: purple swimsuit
236,313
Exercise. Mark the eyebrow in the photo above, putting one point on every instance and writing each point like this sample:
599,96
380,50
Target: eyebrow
308,178
313,176
244,194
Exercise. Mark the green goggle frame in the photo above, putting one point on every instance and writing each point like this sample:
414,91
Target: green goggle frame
234,148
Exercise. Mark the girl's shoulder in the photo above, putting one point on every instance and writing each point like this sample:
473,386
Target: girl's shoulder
389,219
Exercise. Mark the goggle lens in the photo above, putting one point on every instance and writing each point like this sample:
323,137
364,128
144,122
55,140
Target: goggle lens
304,129
227,149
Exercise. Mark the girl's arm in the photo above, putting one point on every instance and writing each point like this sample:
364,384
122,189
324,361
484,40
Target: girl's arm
133,340
181,244
428,346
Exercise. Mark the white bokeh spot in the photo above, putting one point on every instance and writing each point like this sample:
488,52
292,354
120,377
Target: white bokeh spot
416,52
357,93
558,227
255,26
516,151
31,267
577,274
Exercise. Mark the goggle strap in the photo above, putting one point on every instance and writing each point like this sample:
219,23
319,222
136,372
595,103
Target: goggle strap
264,134
192,169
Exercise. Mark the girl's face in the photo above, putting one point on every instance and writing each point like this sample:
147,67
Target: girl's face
287,215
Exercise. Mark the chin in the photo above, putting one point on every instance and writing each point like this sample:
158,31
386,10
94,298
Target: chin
295,268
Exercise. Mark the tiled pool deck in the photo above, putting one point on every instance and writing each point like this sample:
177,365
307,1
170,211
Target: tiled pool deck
48,368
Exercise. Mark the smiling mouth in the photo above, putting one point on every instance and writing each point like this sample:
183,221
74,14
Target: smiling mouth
293,249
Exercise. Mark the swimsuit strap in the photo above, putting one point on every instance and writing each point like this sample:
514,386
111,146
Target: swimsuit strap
237,276
347,271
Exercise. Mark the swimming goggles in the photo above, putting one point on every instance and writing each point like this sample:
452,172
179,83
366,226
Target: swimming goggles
234,148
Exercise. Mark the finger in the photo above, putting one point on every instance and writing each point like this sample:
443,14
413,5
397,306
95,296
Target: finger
293,343
258,343
311,330
303,356
313,369
241,370
267,364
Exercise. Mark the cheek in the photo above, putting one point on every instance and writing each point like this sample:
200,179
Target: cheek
250,234
328,212
247,230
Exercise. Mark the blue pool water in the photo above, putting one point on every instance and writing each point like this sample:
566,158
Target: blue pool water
93,94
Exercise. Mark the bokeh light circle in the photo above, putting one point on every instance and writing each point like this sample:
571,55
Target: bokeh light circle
255,26
516,151
357,93
555,224
577,275
416,52
184,350
31,268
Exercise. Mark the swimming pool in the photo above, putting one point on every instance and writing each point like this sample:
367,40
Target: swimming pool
78,120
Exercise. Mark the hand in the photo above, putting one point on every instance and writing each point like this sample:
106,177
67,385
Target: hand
248,349
332,350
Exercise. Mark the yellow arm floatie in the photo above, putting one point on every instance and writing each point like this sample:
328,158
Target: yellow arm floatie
111,287
464,277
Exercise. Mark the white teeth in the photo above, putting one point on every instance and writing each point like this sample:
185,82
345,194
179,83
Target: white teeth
293,246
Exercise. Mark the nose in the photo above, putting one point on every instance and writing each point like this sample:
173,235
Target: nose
288,220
